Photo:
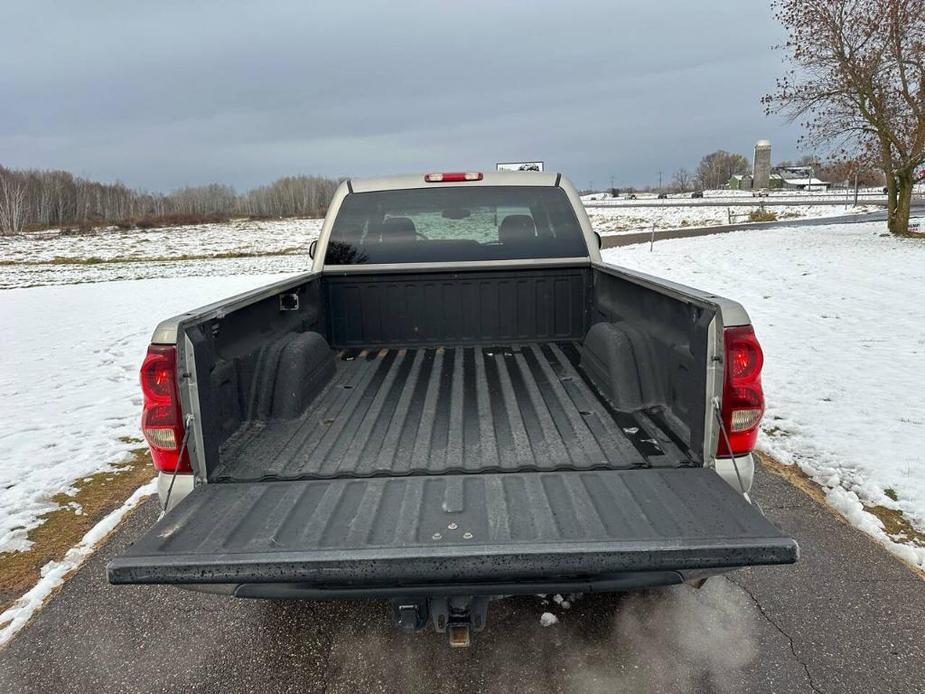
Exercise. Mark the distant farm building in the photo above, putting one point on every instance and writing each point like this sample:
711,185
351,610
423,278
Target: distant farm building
797,178
781,178
740,182
761,165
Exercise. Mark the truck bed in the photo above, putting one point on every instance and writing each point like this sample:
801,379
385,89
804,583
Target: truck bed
438,410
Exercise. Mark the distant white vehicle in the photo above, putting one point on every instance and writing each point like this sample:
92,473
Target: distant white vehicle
520,166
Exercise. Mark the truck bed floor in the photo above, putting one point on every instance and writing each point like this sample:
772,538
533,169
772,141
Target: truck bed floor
450,410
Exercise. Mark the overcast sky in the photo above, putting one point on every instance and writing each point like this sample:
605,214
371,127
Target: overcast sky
164,94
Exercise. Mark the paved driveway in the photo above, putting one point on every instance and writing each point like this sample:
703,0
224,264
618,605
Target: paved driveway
847,618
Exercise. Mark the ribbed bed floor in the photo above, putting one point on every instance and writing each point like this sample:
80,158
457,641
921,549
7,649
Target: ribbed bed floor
453,409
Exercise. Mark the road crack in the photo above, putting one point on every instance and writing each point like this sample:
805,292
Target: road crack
767,618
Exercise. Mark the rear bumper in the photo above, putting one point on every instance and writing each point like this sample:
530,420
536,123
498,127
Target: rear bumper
726,469
602,584
490,564
182,485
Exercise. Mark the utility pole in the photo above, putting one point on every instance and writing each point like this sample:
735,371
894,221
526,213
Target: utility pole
659,181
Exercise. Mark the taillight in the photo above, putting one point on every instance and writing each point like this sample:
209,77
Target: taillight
161,419
453,177
743,397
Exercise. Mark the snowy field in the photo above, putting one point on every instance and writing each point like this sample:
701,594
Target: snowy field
28,260
69,384
610,220
53,257
837,311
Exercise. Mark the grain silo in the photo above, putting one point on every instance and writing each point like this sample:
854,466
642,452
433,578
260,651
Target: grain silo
761,169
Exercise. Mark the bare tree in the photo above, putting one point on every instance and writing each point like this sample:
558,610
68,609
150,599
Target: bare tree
715,169
847,170
859,86
683,180
12,203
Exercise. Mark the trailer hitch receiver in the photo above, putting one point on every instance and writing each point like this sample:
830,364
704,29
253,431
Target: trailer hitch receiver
457,616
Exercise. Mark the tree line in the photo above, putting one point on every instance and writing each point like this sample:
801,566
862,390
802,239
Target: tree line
32,199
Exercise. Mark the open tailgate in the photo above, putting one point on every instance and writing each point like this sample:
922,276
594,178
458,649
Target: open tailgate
455,528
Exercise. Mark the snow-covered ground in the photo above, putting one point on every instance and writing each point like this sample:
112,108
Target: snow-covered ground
39,275
69,381
28,260
836,310
266,236
609,220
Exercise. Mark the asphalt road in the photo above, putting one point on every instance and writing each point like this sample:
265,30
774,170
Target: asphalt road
628,239
740,202
847,618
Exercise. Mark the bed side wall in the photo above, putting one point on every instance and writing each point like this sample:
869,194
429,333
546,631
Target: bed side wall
265,359
647,349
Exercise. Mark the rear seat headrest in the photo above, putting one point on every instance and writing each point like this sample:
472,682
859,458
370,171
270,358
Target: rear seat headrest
516,227
394,229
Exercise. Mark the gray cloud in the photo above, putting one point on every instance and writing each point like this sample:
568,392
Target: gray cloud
170,93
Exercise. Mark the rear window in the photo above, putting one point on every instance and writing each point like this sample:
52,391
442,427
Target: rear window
453,224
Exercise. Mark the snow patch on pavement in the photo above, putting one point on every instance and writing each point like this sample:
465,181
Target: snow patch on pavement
547,619
844,344
55,572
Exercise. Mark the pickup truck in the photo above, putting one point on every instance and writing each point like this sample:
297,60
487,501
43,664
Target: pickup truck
460,401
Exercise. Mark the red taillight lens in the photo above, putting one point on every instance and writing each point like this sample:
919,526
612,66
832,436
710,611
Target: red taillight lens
161,420
453,176
743,397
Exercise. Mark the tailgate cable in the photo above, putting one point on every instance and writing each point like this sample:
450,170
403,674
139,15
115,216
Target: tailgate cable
722,427
173,477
